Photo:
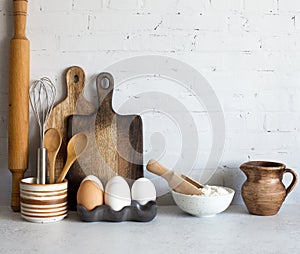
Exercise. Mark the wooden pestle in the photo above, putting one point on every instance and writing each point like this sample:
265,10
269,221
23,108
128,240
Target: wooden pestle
176,180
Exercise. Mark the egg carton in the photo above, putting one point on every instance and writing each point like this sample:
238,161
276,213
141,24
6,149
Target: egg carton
134,212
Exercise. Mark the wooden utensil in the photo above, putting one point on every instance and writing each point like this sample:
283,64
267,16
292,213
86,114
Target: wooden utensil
119,138
76,146
74,102
52,142
18,112
178,182
115,142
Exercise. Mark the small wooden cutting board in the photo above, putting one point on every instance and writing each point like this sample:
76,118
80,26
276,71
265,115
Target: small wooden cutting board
115,142
74,101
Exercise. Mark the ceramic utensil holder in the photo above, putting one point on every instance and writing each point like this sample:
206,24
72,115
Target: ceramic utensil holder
43,202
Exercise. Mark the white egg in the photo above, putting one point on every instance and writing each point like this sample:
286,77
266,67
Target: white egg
94,179
117,193
115,179
143,191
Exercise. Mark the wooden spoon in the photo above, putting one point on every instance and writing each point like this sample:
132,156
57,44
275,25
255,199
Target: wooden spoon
178,182
75,148
52,142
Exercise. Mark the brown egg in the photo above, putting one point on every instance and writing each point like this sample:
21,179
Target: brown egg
89,195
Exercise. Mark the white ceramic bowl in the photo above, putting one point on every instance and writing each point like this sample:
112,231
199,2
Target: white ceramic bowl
203,206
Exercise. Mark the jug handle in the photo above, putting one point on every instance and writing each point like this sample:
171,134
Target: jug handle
294,181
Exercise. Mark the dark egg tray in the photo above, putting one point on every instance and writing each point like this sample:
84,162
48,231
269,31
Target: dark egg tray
134,212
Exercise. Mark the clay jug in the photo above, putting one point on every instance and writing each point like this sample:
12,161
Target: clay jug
263,192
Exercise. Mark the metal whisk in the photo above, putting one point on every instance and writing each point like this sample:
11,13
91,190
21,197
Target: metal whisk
42,96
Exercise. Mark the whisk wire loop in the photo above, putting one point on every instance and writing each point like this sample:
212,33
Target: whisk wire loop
42,96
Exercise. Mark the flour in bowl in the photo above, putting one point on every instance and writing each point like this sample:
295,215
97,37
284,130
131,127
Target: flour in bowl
209,190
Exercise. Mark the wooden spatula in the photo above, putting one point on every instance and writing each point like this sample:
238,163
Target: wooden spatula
178,182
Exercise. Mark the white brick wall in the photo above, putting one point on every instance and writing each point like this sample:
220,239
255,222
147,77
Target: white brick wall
248,50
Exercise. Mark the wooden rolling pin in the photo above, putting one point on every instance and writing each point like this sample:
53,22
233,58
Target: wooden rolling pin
18,112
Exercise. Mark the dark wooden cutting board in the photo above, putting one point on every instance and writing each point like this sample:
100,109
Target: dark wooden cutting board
115,142
73,102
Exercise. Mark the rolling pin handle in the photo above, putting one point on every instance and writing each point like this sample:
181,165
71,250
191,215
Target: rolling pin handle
20,14
17,176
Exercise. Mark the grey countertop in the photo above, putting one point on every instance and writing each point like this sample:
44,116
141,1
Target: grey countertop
172,231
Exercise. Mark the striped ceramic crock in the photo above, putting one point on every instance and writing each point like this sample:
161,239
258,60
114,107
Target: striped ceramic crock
43,202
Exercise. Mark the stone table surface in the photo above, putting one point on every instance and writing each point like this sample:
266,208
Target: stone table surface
171,231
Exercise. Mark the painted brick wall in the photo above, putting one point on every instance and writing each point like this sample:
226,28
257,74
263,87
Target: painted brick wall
248,50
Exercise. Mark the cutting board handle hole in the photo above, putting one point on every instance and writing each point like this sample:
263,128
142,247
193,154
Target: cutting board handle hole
76,79
105,83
